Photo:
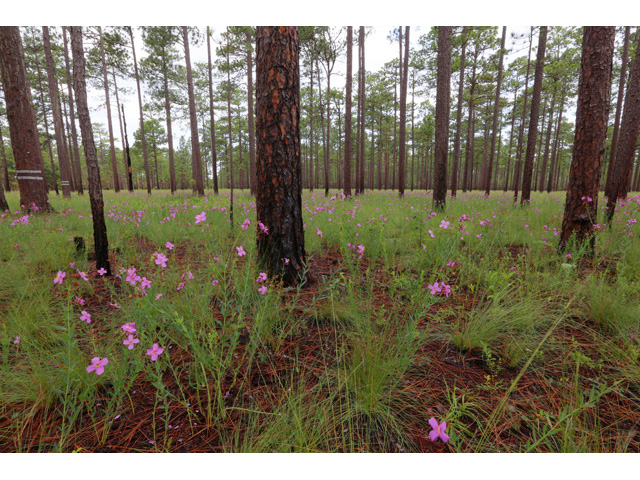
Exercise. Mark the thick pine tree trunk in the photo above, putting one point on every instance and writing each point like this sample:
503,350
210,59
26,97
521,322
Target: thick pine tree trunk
456,141
629,127
533,122
22,123
594,93
279,200
496,109
442,117
95,188
61,143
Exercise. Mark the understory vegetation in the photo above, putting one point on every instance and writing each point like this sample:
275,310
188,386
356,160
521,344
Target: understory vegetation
471,316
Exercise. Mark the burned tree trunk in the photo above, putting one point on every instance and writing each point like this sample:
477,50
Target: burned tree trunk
91,157
279,201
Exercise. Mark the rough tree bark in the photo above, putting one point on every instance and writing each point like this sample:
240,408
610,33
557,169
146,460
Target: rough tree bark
91,157
594,93
252,129
629,127
533,121
442,117
279,200
22,123
616,123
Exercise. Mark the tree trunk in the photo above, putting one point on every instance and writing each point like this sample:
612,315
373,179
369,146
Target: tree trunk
61,143
230,166
93,170
279,200
518,165
362,104
347,118
513,123
496,109
311,182
629,127
533,121
214,157
252,140
167,110
22,123
616,124
554,153
5,169
442,117
545,159
142,133
456,141
195,141
114,168
72,115
403,115
47,134
470,148
594,92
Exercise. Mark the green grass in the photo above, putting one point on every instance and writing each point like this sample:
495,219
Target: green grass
531,351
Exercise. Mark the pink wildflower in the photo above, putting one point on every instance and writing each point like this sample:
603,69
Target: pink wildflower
102,271
85,317
59,277
262,290
161,260
154,351
169,245
202,217
438,430
262,277
97,365
130,341
241,252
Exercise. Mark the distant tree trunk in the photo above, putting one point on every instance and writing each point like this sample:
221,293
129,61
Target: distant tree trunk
95,189
413,139
72,115
403,115
214,158
195,141
533,121
362,96
518,164
470,148
594,93
629,127
142,133
311,183
5,169
554,152
22,123
442,117
4,206
456,141
46,131
496,110
328,137
114,168
616,124
347,118
61,143
167,110
118,109
513,123
252,141
230,166
545,159
279,200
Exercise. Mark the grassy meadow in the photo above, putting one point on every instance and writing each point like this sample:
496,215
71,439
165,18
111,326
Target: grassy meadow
470,316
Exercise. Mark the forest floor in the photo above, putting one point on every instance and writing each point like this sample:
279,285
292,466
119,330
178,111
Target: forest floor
470,316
